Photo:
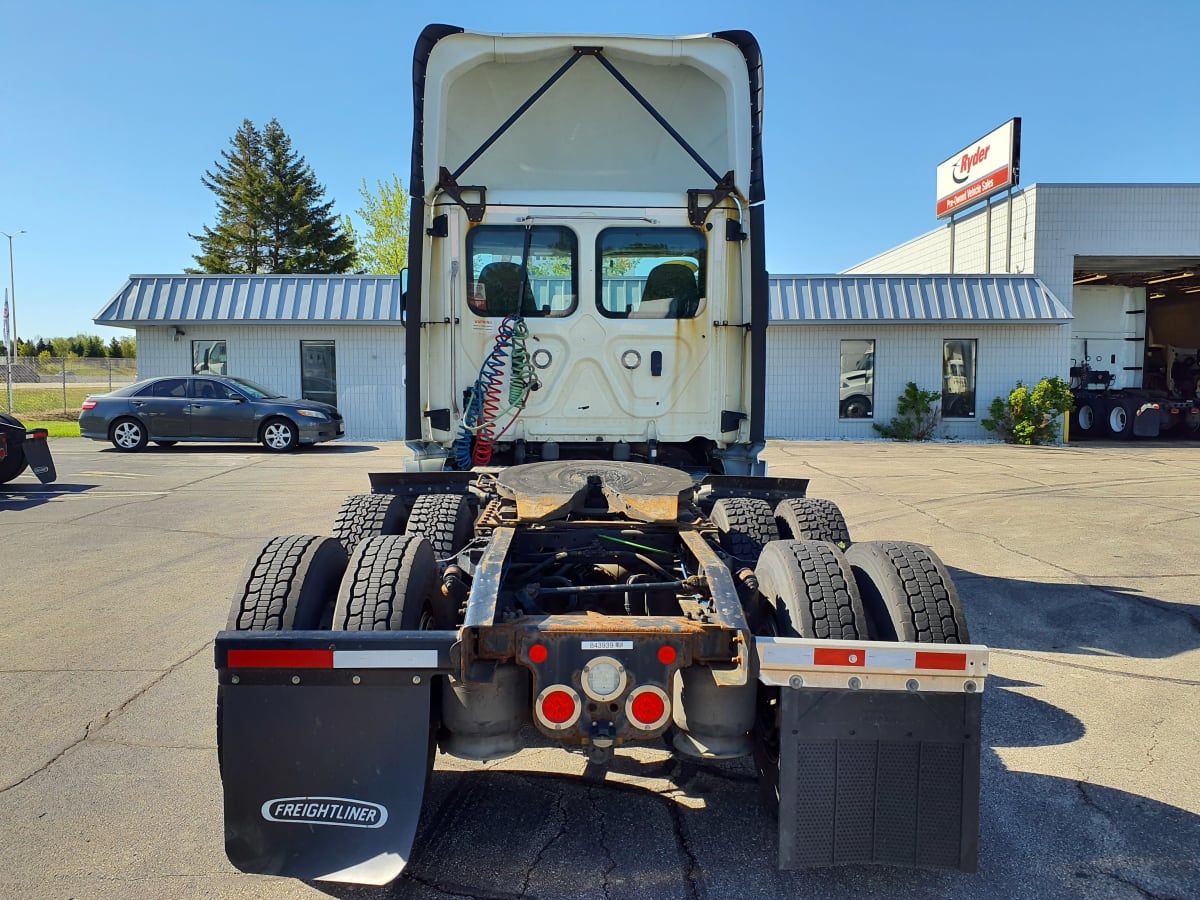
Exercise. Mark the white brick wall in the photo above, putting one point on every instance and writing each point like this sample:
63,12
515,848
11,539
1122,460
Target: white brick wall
370,365
930,253
803,372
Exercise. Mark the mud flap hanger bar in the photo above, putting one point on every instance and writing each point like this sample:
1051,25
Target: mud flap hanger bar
872,665
448,181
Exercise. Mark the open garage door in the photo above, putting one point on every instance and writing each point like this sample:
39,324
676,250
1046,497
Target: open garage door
1135,345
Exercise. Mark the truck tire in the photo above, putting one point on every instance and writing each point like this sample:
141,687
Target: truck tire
14,462
907,593
289,585
445,521
366,515
1084,419
1120,419
812,519
391,584
746,526
812,589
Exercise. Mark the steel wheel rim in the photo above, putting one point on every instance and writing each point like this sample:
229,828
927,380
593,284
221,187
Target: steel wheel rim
1085,418
1117,420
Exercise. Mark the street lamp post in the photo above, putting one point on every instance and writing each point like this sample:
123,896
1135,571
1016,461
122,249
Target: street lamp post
12,295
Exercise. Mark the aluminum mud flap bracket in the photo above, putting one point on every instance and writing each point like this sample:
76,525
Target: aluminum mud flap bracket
878,756
324,742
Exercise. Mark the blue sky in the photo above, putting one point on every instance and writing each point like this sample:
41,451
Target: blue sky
110,112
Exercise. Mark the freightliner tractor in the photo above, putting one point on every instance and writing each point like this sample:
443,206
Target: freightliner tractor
22,449
586,550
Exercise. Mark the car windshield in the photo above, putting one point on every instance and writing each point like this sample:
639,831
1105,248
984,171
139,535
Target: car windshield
255,391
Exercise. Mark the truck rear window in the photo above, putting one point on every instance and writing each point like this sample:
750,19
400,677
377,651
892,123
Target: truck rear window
650,273
496,251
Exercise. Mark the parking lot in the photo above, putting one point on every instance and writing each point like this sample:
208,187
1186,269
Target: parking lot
1078,566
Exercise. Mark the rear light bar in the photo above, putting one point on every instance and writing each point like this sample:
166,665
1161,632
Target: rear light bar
872,665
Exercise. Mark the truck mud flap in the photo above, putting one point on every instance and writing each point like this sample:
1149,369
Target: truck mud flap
879,777
37,454
323,764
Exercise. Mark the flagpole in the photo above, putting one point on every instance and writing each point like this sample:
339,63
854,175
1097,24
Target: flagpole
8,350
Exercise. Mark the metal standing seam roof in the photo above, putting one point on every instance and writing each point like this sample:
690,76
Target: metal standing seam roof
1004,299
279,299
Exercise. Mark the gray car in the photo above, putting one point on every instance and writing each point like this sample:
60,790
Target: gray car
205,408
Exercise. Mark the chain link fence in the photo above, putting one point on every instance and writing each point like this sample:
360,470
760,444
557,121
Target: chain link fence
54,388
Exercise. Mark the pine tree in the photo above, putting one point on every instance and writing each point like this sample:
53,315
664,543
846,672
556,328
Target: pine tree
303,233
270,214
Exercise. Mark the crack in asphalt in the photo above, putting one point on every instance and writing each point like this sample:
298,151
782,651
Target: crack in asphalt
447,891
598,813
563,827
679,825
1121,879
109,716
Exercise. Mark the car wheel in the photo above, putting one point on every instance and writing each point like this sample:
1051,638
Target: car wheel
128,435
280,435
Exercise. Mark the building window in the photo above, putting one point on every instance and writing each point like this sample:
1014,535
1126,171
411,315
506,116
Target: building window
958,378
857,396
650,273
496,252
318,371
209,358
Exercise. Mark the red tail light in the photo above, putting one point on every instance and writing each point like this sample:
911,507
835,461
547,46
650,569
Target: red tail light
648,708
558,707
89,404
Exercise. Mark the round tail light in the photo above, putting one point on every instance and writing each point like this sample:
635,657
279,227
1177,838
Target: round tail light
648,708
558,707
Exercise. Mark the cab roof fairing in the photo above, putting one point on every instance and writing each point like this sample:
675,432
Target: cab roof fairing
565,139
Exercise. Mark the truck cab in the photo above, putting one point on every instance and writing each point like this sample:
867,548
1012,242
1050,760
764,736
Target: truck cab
584,273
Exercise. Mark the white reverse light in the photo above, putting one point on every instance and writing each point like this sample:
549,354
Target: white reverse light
603,678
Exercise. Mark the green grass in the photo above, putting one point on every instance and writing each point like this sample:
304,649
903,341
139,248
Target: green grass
56,429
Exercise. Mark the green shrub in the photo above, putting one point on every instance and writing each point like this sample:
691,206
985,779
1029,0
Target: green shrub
1031,416
918,415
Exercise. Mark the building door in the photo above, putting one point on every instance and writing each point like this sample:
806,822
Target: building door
318,371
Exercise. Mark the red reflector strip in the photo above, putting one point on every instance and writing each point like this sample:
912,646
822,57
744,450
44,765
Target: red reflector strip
837,656
946,662
280,659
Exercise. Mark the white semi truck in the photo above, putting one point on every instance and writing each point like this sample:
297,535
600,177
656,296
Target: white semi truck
586,550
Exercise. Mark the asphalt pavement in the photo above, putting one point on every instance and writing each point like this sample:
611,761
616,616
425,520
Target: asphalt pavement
1078,566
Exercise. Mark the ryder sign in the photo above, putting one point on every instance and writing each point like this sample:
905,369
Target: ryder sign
990,164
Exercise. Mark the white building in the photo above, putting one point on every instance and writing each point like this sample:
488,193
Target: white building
1124,259
323,337
998,293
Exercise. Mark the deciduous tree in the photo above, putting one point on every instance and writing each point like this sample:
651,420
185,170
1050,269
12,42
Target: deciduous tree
383,246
